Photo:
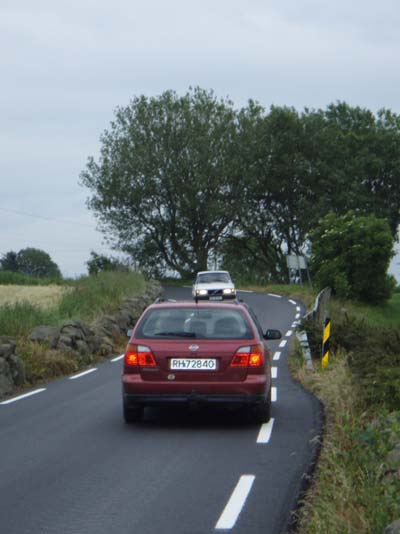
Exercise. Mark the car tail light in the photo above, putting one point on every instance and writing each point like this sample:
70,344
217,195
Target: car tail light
139,355
249,356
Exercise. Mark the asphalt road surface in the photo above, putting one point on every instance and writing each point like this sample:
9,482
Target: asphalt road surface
69,465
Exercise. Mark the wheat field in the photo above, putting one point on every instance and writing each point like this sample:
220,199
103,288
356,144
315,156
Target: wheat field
42,296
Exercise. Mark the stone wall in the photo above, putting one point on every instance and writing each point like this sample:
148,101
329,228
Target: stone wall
76,338
11,367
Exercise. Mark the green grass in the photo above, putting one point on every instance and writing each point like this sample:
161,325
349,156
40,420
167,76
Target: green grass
96,295
385,315
10,278
20,318
354,488
91,296
352,491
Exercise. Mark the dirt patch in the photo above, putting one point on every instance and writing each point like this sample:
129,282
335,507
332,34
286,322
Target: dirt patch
43,296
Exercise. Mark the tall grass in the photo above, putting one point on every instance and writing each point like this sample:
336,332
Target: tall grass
95,295
20,318
350,493
90,296
11,278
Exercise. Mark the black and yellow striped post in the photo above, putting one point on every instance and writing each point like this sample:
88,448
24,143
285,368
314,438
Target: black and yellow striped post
325,342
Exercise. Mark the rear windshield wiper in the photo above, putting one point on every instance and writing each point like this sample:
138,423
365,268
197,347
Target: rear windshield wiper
176,334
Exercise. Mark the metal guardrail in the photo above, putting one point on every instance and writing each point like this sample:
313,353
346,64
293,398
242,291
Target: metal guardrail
318,313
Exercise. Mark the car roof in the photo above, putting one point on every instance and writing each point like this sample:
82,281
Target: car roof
234,304
212,272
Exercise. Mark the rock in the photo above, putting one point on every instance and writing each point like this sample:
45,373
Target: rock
393,528
11,366
393,458
7,346
45,334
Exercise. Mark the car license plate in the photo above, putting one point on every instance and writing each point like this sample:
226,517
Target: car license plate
216,298
193,364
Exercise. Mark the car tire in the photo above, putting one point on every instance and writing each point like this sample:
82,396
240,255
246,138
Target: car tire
262,412
133,413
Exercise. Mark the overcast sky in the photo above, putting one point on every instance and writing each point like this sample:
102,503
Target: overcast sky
66,66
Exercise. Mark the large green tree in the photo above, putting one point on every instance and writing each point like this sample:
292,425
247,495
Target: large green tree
351,254
181,180
37,262
30,261
9,262
167,185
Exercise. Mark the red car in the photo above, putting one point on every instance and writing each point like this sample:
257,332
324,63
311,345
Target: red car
193,353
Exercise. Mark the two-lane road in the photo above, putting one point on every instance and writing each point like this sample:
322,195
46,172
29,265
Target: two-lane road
69,465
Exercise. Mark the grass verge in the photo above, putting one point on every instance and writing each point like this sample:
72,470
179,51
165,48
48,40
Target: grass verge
356,485
86,298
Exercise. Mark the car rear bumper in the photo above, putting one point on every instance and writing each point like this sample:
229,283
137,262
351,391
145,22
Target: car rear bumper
253,390
193,398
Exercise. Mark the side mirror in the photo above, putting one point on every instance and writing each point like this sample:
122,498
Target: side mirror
129,333
272,334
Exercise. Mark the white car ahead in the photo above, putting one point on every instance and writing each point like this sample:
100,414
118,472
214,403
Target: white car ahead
213,285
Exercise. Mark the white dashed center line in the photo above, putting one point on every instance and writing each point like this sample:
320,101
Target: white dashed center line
15,399
265,431
292,302
277,355
274,372
83,374
117,358
274,394
297,316
236,502
283,343
273,295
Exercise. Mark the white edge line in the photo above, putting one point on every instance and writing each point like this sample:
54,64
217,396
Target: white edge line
273,295
83,374
274,394
117,358
274,372
292,302
282,343
289,333
298,308
236,502
265,431
277,355
14,399
297,316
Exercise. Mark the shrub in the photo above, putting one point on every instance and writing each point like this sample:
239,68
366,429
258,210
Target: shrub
351,255
373,355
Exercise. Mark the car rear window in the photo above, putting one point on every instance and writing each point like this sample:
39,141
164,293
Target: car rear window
203,323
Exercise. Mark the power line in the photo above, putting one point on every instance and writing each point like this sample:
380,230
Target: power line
25,214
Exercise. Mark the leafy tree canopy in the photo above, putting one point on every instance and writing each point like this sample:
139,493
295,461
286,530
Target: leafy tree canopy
351,254
167,181
180,180
32,262
99,263
9,262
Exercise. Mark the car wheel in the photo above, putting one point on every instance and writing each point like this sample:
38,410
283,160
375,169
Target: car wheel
262,412
133,413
